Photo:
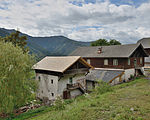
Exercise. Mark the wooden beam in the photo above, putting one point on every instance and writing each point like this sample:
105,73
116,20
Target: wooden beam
120,75
87,64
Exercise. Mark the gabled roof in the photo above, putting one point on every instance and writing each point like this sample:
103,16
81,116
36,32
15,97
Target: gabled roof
145,42
113,51
58,64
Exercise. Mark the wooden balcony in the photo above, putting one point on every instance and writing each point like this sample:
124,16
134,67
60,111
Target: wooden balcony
75,86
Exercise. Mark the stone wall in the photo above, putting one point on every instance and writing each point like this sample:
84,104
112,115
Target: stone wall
48,85
115,81
75,93
128,73
51,86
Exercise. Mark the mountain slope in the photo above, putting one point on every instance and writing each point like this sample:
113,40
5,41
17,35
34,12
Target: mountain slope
58,45
3,32
54,45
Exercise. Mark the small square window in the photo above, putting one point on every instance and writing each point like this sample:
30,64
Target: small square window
89,61
70,80
51,81
52,94
115,62
105,61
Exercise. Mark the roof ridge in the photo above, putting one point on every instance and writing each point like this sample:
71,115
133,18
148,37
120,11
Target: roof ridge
107,51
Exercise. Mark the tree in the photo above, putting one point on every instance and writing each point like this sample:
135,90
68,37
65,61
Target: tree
104,42
100,42
114,42
16,40
16,83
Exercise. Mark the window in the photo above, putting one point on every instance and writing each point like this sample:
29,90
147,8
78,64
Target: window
88,61
105,61
51,81
129,62
135,62
39,78
115,62
52,94
141,60
70,80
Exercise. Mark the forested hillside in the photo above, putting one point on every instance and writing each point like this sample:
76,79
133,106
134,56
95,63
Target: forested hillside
54,45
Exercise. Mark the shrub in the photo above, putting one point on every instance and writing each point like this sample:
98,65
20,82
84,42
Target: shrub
59,104
102,87
131,76
69,101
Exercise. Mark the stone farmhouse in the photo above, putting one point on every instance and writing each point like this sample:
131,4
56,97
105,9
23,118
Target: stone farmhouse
61,76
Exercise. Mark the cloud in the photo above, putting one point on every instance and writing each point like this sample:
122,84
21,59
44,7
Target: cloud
85,22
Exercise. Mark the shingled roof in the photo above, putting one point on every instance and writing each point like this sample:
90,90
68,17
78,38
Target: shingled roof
58,64
113,51
105,75
145,42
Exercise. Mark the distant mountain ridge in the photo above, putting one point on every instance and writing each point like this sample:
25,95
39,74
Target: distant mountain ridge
52,46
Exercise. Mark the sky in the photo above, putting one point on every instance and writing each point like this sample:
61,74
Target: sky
82,20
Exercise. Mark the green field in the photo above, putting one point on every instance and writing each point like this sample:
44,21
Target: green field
128,101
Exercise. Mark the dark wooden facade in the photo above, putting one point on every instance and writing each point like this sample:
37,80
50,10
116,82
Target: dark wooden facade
77,67
136,59
122,62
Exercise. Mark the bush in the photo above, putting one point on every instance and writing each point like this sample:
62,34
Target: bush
102,88
69,101
131,77
59,104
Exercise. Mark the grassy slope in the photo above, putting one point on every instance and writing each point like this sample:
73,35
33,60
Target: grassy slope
128,101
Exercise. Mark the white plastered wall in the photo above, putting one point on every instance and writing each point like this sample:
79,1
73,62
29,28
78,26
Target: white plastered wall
62,83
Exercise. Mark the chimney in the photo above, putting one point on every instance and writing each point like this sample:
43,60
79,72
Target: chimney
99,50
